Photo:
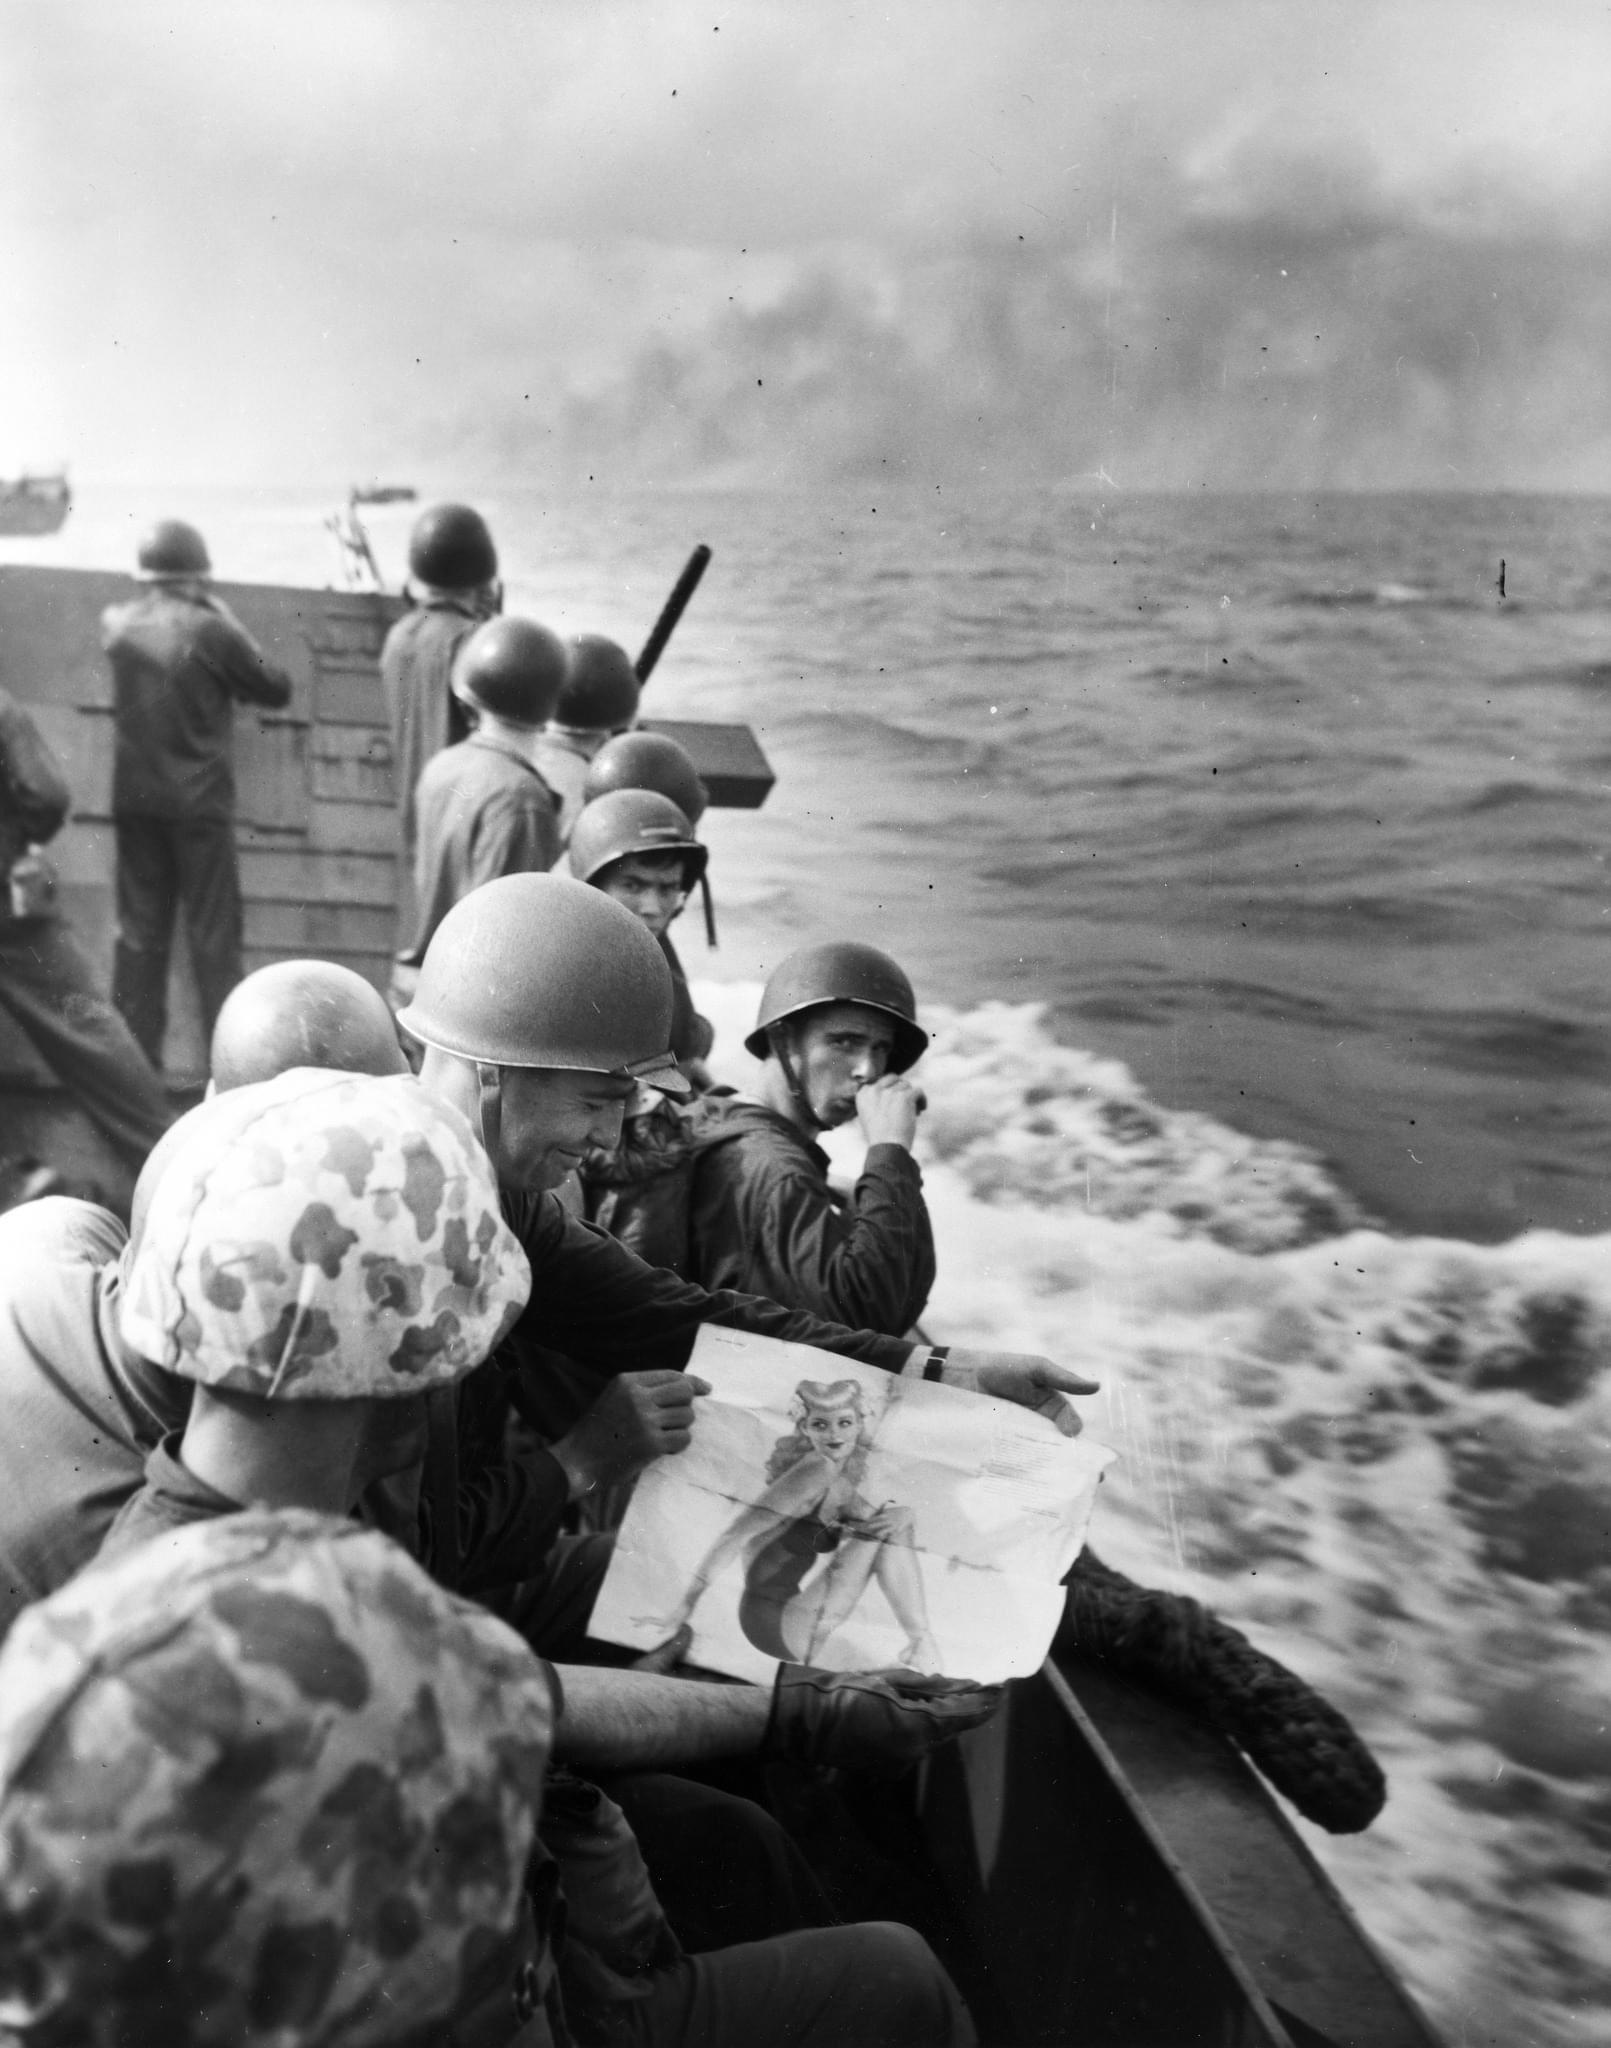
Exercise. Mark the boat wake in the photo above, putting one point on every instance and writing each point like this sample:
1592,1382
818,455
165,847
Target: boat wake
1385,1458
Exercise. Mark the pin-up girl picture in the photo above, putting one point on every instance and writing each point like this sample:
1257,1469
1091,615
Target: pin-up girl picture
812,1543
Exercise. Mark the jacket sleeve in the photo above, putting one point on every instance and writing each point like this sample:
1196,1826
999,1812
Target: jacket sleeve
870,1264
235,660
509,1516
592,1299
31,779
506,1510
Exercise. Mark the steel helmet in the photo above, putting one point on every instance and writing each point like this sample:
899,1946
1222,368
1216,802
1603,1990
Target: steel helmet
600,692
648,760
451,548
631,821
302,1013
541,971
173,548
511,667
316,1780
841,971
321,1237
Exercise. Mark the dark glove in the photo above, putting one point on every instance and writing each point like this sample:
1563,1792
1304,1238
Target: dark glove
880,1721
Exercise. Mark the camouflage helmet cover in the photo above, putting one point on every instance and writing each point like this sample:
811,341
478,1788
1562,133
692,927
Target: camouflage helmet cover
261,1782
322,1236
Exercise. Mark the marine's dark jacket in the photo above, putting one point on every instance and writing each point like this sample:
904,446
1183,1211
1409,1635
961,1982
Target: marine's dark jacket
764,1219
179,666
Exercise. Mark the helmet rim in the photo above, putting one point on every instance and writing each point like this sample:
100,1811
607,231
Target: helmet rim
648,1070
589,991
651,823
841,971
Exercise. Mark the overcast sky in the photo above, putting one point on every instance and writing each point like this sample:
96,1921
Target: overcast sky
1229,243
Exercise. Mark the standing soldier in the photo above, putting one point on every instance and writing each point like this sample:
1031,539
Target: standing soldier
45,981
453,578
483,809
180,662
600,698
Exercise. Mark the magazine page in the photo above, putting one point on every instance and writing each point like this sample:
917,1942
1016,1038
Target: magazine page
828,1513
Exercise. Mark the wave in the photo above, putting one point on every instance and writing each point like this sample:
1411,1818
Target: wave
1355,596
1384,1457
1523,1042
852,734
1351,913
1020,1118
1589,675
1508,795
1240,670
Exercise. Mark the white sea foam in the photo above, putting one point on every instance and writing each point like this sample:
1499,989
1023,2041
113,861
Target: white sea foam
1389,1460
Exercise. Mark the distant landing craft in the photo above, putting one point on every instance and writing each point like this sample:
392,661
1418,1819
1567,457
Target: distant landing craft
34,504
383,494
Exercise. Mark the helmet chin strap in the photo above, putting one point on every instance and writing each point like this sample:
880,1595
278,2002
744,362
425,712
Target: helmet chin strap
784,1055
490,1082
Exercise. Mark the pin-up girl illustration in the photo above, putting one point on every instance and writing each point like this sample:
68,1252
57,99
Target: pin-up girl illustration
812,1542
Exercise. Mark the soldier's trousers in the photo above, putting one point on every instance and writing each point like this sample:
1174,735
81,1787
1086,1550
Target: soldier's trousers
875,1985
163,863
723,1870
50,989
722,1867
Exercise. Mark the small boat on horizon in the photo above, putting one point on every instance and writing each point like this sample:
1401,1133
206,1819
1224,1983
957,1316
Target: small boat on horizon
382,494
34,504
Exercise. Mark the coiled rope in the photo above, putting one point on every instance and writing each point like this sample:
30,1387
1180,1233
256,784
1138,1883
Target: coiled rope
1173,1644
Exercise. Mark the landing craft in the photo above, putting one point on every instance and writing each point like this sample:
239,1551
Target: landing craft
1110,1871
34,504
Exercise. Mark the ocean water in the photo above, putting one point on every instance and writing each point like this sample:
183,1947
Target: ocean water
1249,857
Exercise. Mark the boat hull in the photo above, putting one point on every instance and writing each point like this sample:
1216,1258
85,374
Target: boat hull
1130,1883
